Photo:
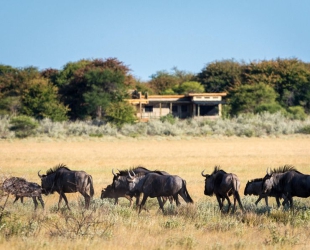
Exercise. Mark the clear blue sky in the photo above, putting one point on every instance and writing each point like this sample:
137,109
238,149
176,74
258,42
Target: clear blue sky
149,36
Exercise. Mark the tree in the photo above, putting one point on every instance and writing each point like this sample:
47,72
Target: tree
89,86
40,101
189,87
162,81
120,113
220,76
247,98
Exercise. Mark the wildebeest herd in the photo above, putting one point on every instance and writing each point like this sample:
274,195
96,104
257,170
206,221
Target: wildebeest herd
282,183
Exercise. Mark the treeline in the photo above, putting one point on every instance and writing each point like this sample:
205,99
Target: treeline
97,89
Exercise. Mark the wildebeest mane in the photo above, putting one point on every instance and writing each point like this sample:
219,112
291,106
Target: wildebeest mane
284,169
55,169
218,169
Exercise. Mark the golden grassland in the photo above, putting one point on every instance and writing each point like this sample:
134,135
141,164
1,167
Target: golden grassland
187,157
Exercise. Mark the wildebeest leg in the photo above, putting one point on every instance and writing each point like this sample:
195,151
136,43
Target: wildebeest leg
161,204
266,201
41,200
163,200
143,202
229,203
258,200
290,198
220,201
237,196
115,201
59,201
16,198
128,197
138,200
35,203
62,195
170,199
176,198
87,200
278,201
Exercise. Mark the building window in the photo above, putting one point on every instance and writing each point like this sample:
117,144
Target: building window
174,109
148,109
184,108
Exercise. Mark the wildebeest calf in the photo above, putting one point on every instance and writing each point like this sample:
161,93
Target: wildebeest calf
22,188
255,187
109,192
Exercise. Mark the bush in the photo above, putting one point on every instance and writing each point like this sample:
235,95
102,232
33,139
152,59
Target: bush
120,113
168,118
296,113
23,126
270,107
305,130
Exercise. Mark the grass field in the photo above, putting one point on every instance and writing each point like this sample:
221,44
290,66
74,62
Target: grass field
198,226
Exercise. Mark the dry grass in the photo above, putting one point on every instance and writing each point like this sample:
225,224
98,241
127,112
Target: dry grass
247,157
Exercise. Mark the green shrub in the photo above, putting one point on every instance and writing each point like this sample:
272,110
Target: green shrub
269,107
305,130
120,113
296,113
23,126
168,118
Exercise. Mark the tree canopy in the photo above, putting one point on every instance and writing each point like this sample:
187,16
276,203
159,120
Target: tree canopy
89,89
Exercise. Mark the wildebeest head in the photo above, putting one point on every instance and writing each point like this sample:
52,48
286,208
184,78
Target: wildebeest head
47,183
209,184
253,187
132,181
267,182
107,192
246,190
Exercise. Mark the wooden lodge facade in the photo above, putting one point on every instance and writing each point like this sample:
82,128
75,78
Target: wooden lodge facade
193,105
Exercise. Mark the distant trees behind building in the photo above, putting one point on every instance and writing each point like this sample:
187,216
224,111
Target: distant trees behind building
97,89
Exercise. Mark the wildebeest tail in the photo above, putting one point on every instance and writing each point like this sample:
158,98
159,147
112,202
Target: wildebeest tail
186,193
90,181
236,192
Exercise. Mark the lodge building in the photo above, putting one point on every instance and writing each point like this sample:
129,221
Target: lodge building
193,105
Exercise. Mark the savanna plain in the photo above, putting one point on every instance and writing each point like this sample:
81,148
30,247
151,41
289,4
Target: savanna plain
194,226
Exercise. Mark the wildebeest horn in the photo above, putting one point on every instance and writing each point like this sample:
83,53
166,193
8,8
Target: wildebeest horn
39,174
268,173
131,177
204,175
113,172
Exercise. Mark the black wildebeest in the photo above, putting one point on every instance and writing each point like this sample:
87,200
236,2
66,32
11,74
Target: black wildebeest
223,185
254,187
109,192
63,180
119,182
21,188
288,181
155,185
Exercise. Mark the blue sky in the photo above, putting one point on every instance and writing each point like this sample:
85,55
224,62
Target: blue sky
149,36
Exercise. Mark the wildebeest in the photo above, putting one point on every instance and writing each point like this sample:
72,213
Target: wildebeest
63,180
155,185
223,185
119,182
288,181
109,192
21,188
254,187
